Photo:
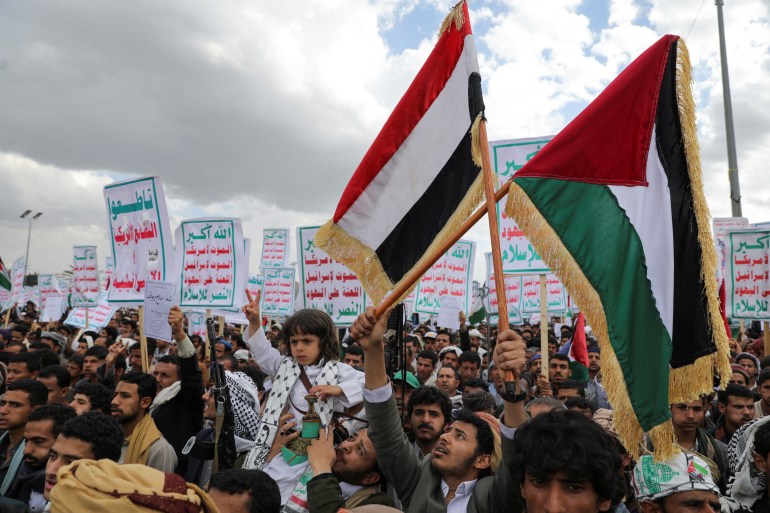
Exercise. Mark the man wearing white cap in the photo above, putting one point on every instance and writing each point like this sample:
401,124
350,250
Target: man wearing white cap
429,339
682,484
476,338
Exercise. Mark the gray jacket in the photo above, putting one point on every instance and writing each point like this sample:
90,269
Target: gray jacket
417,484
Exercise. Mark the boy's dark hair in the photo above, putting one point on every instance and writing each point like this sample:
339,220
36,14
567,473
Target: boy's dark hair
763,376
568,442
47,357
36,391
77,359
570,384
61,374
578,402
98,351
469,356
99,395
476,383
430,355
560,356
314,322
762,441
146,384
734,390
430,395
103,432
58,414
355,350
263,491
31,360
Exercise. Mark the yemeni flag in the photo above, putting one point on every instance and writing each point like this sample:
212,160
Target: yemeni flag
421,178
615,206
5,277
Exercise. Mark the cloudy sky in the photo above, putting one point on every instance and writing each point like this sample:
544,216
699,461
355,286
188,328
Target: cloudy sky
262,110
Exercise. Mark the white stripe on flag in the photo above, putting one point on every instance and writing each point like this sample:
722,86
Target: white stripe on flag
417,162
649,210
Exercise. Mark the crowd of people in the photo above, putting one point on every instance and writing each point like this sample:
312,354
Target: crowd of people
324,421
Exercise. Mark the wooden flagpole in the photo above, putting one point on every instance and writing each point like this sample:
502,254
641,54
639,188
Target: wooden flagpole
494,235
416,273
8,317
142,341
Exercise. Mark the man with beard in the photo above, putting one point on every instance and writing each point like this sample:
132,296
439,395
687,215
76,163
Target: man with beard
144,443
425,368
345,477
429,412
21,398
43,426
456,476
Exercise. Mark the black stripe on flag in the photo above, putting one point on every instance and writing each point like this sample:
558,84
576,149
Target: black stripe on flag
691,335
409,240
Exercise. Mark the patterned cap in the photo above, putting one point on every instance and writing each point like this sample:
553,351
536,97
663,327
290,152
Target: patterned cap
685,472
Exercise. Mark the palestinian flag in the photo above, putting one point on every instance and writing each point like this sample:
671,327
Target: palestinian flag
5,277
576,349
421,178
478,311
615,206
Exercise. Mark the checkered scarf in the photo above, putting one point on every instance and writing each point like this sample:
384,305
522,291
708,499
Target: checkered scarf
286,377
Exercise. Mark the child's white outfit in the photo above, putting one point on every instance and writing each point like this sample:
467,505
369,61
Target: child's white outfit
288,388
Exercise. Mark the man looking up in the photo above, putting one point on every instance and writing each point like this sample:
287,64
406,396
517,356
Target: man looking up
91,436
143,443
19,401
429,413
456,478
44,425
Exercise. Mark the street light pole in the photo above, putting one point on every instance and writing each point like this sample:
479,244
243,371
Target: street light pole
732,158
29,236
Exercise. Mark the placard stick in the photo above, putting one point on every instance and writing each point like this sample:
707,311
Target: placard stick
544,324
8,316
207,350
221,329
142,341
766,335
741,332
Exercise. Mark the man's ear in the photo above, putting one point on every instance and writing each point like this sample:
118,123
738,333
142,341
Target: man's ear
370,479
649,507
721,408
760,463
145,402
483,461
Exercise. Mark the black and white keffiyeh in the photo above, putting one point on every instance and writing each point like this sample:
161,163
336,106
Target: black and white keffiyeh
244,397
748,483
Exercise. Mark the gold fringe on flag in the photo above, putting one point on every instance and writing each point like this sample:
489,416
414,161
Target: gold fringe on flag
682,387
561,262
455,16
476,141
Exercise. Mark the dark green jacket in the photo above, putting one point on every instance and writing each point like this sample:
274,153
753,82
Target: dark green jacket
325,496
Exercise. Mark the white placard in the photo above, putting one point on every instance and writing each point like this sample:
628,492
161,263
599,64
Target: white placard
278,291
275,247
451,275
85,277
52,309
98,317
449,312
210,254
140,237
747,277
158,300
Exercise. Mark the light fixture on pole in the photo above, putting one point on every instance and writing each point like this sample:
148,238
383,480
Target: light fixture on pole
29,234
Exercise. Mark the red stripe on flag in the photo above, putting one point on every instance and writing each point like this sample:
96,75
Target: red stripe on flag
722,301
579,349
608,142
424,89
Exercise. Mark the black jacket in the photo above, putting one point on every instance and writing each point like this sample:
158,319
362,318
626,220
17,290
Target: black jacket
182,417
